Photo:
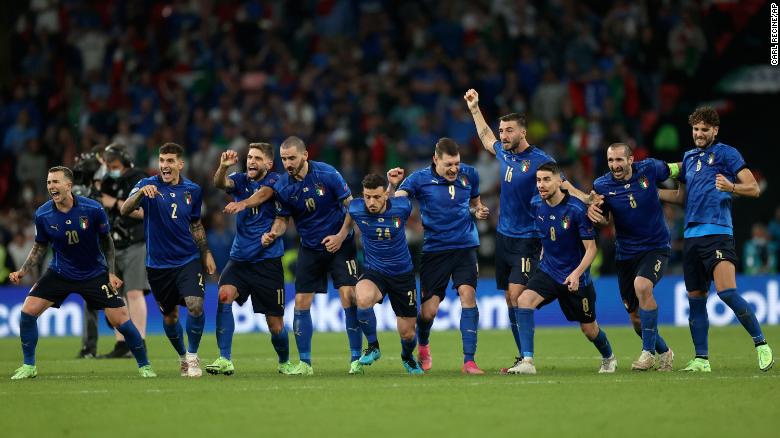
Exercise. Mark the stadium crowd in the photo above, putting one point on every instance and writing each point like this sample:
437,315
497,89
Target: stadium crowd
369,85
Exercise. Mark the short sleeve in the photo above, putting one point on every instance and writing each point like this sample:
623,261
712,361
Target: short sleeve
661,169
101,219
734,161
353,208
40,231
281,207
498,149
197,201
474,176
269,181
406,206
409,185
584,225
239,183
336,183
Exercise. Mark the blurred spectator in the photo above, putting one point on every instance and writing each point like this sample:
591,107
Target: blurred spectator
760,253
220,239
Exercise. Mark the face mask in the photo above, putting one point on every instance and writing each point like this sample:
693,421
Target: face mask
115,173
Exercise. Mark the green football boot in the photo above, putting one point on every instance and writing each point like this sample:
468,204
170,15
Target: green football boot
302,369
356,367
285,368
698,365
147,371
221,366
765,358
25,372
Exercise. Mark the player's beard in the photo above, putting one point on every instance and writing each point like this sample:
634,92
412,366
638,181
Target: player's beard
297,171
706,145
511,146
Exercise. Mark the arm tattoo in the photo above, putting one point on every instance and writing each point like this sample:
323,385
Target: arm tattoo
34,258
346,201
107,246
131,203
199,236
484,132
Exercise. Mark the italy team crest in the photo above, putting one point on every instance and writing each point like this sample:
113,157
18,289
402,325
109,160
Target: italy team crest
463,180
397,222
320,189
187,198
711,159
565,222
83,222
643,182
525,165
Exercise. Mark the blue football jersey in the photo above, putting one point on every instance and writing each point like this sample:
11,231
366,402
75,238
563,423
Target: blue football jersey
73,237
636,208
518,187
563,228
252,223
167,220
704,204
384,235
444,207
315,203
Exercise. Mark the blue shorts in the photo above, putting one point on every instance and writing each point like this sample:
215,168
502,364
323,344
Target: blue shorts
436,269
401,288
313,266
649,264
262,280
96,291
171,285
516,260
577,306
701,254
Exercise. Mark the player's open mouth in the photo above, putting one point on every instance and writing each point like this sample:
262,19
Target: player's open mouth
252,169
54,193
166,172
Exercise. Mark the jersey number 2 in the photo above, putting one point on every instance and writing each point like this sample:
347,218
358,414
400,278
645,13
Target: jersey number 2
173,213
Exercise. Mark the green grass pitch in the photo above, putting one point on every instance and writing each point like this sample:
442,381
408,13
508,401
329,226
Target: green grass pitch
81,398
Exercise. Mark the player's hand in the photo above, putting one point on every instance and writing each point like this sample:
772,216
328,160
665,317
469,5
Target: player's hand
228,159
115,281
595,198
472,99
723,184
595,214
481,212
150,191
234,207
16,277
395,176
268,238
572,282
209,264
332,243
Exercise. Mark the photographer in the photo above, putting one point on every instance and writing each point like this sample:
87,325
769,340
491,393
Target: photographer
128,235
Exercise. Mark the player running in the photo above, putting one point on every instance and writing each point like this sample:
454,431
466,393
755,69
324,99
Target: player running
517,241
448,194
630,201
176,251
568,249
316,196
78,231
712,173
255,266
388,268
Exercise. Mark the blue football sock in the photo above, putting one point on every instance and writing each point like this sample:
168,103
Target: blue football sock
407,347
513,325
469,321
225,328
353,331
194,331
423,330
134,341
699,324
649,319
303,331
660,344
176,335
28,331
744,314
602,344
281,344
367,320
525,329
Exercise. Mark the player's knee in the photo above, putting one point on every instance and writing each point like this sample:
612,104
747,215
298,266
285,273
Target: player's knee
225,296
590,330
365,301
696,294
194,306
275,325
428,314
